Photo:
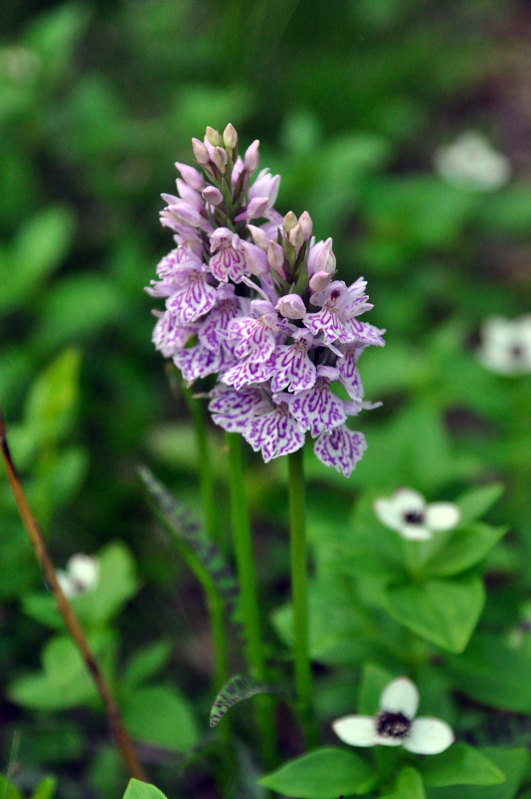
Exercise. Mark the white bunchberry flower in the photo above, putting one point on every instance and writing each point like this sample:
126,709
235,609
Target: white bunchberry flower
408,513
472,163
82,575
396,725
506,345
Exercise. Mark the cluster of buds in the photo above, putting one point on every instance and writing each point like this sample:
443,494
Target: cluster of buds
251,298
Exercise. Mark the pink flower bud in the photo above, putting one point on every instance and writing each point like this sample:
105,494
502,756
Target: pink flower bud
319,281
213,136
291,306
190,176
305,221
200,152
259,236
230,137
220,158
296,237
275,256
289,221
212,195
321,258
252,157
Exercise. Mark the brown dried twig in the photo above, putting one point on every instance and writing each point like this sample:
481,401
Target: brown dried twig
70,619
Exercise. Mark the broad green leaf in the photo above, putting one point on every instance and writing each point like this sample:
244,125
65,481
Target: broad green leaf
478,501
460,765
464,548
136,789
513,763
117,584
444,612
322,774
8,790
45,789
494,674
41,243
159,715
408,786
53,396
145,663
373,681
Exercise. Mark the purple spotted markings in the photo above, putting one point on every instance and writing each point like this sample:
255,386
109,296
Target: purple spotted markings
252,305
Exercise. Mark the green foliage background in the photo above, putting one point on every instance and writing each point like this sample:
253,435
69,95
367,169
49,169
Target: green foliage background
350,100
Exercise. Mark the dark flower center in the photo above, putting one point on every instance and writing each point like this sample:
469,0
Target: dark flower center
392,725
517,351
413,517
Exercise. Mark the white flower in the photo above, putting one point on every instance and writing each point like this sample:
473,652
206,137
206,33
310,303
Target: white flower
82,575
506,345
471,163
395,724
407,513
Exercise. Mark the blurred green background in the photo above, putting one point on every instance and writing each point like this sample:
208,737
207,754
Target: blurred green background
350,101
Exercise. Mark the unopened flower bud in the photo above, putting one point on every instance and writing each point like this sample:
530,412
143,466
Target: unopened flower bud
213,136
257,207
289,221
321,258
305,221
319,281
252,157
275,256
259,236
291,306
220,158
200,152
230,137
296,237
212,195
190,175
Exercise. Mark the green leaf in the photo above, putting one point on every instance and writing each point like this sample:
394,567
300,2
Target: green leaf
444,612
40,246
460,765
373,681
45,789
142,790
513,763
53,396
117,584
236,690
464,548
188,532
8,790
322,774
478,501
494,674
408,786
159,715
145,663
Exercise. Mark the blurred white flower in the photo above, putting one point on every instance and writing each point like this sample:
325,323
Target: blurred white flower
472,163
82,574
408,513
395,724
506,345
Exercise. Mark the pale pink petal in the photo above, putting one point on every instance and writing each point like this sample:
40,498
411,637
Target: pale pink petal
428,736
356,730
400,696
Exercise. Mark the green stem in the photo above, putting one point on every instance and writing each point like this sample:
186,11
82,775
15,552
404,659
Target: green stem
206,473
299,590
243,550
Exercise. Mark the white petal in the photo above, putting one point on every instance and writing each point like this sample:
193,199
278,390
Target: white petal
400,696
84,570
356,730
407,500
442,515
66,583
386,740
428,736
415,532
388,513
